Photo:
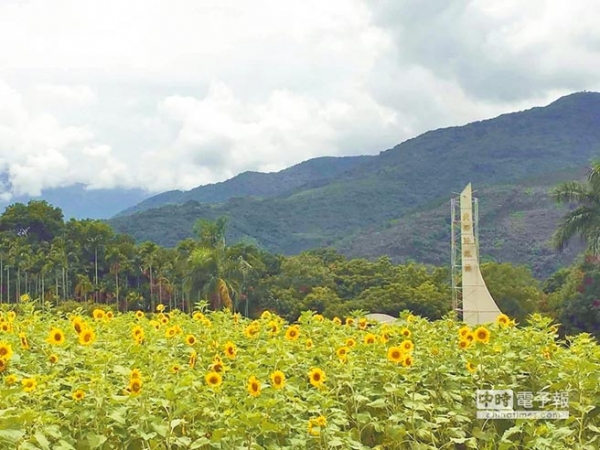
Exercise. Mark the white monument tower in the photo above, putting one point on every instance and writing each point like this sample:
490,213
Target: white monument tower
478,306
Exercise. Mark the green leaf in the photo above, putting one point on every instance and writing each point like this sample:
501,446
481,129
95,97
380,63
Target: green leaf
28,446
42,440
379,403
95,440
63,445
53,431
200,443
335,442
11,436
160,428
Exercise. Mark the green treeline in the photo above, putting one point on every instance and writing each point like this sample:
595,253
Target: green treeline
86,261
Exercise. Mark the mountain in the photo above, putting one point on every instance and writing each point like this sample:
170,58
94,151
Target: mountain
516,223
78,202
311,173
543,141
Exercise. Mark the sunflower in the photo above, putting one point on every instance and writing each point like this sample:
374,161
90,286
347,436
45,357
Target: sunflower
405,332
5,351
471,367
502,320
11,316
362,323
56,336
265,315
192,361
292,333
463,331
253,386
137,332
252,330
53,358
370,338
155,324
139,314
198,316
29,384
407,346
170,332
3,365
435,351
217,366
318,318
25,298
278,379
98,314
78,324
6,327
110,315
160,307
394,354
316,424
350,342
482,334
135,374
336,321
311,428
175,368
317,377
470,336
321,421
190,339
213,379
135,386
463,343
273,327
230,350
385,337
78,395
309,344
164,320
10,380
342,353
407,361
349,321
87,337
206,323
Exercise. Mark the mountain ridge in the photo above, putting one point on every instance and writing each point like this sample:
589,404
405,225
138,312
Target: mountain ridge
564,135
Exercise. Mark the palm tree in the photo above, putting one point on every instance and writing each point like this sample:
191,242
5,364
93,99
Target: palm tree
210,274
211,271
584,220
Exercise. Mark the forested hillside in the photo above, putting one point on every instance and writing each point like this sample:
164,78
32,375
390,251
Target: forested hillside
550,142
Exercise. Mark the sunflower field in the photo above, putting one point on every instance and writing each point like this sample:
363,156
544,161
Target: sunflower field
217,380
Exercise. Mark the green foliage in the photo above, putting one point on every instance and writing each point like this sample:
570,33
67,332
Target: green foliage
577,302
514,289
584,220
37,221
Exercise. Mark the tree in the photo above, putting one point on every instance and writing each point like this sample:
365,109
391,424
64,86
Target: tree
514,289
584,220
212,271
37,221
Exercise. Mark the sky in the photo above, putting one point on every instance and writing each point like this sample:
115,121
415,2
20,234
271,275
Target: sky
164,95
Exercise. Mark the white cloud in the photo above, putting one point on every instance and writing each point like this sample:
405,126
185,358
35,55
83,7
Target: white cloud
165,95
76,95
